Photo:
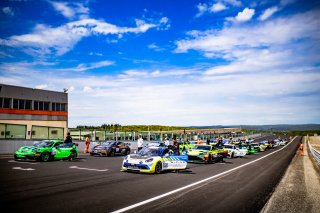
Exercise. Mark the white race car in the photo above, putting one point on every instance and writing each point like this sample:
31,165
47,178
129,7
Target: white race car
235,151
154,160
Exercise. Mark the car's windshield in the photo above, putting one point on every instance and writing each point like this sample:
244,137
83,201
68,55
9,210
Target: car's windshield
228,146
65,145
44,144
149,152
108,144
202,147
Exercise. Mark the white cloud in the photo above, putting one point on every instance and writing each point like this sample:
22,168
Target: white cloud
85,67
263,34
233,2
41,86
95,54
46,40
155,47
202,8
87,89
70,9
217,7
245,15
8,11
268,13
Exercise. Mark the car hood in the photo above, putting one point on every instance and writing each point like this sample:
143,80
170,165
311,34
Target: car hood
198,152
27,148
140,157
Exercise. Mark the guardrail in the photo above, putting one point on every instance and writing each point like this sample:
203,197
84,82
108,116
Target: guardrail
314,152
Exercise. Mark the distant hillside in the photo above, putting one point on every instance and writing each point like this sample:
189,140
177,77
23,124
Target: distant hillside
277,127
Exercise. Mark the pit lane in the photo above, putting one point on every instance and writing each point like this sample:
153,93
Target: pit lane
54,186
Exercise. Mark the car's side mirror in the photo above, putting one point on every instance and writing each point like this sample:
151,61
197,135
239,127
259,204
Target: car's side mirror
166,155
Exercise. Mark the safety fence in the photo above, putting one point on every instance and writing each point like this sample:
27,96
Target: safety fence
314,152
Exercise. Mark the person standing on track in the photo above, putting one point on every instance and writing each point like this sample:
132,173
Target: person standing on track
140,143
86,150
301,149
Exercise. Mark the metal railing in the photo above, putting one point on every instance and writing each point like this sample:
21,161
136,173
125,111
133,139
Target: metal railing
314,152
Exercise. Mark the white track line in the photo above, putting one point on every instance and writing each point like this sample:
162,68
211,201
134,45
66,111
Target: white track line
98,170
25,169
13,161
196,183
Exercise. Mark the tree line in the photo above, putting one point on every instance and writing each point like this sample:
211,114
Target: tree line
131,128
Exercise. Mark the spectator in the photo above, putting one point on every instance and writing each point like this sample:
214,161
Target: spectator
86,150
68,138
199,141
166,142
140,143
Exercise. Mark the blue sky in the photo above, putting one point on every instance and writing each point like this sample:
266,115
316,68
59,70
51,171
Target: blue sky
224,62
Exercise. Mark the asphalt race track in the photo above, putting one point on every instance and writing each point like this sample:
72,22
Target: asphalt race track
96,184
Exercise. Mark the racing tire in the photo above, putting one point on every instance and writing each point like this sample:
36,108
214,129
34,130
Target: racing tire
72,156
45,156
158,168
111,153
232,155
127,152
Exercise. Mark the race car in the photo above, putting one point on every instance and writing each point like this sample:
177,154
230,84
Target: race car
111,148
186,146
206,154
235,151
154,160
47,150
253,148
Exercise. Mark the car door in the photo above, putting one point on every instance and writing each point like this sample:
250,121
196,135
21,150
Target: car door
172,161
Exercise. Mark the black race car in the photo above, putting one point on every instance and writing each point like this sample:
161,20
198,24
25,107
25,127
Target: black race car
111,148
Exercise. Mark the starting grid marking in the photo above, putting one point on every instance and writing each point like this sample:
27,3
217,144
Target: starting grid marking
97,170
24,169
13,161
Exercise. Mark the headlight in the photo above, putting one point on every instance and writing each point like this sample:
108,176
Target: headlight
149,160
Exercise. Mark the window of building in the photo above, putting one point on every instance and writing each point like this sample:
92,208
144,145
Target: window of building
36,105
21,104
44,132
41,105
58,107
63,107
46,106
39,132
28,104
2,131
12,131
6,102
55,133
15,104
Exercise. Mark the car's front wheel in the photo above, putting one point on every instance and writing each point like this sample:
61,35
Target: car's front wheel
111,153
158,168
45,156
72,156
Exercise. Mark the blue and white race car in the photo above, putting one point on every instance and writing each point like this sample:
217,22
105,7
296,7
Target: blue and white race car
154,160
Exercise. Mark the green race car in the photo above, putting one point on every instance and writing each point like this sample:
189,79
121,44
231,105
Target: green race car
206,154
185,146
47,150
253,148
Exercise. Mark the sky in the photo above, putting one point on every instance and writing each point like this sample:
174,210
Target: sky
181,63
